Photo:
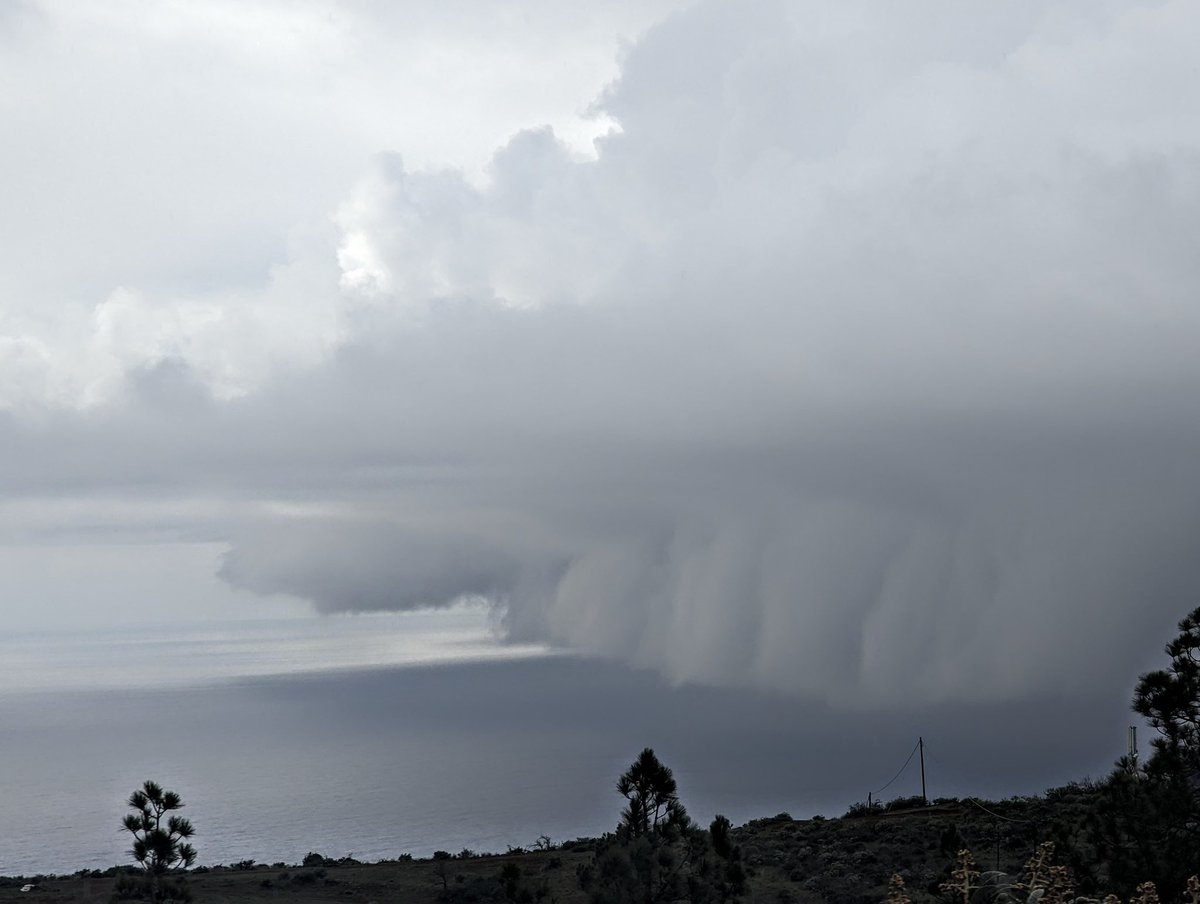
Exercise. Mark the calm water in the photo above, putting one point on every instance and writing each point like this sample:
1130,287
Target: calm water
205,653
445,740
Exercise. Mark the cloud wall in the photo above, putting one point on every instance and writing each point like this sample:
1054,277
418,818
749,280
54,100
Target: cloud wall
859,363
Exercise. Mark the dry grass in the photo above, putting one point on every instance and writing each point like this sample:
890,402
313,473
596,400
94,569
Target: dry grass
418,881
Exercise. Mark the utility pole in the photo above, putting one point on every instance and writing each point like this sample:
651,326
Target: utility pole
921,745
1133,748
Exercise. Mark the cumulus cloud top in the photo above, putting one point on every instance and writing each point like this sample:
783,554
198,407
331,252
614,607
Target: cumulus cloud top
858,361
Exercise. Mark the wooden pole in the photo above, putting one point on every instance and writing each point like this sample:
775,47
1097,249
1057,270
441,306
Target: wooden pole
921,745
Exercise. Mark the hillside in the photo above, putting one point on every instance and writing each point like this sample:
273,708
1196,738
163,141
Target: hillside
844,860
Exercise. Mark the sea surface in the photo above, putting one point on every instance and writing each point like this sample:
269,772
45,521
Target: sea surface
376,736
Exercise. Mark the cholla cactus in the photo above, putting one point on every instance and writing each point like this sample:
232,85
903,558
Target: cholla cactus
1045,882
1037,866
897,893
1059,889
1041,872
964,880
1146,894
1042,882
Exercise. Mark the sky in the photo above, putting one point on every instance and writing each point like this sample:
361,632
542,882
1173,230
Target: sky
839,350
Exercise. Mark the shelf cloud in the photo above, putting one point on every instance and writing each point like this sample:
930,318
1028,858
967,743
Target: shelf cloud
857,362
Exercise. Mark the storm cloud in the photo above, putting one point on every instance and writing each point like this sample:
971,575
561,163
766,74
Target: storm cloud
859,363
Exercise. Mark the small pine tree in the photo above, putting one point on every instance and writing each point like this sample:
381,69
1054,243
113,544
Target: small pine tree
160,843
658,854
729,881
650,788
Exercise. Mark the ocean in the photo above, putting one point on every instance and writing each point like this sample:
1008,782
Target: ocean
374,736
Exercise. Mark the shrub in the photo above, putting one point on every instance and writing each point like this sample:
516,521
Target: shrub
905,803
862,808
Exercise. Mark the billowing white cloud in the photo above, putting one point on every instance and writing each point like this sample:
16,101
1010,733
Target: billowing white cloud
176,159
858,363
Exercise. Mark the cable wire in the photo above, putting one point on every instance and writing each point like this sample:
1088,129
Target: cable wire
902,768
994,813
975,800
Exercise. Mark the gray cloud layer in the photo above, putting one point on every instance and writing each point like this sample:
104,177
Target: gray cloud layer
860,364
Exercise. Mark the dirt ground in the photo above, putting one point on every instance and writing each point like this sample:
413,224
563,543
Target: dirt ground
418,881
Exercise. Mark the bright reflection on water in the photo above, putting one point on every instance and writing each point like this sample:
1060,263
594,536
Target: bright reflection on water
199,654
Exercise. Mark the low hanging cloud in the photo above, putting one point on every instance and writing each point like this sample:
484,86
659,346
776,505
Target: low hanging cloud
859,364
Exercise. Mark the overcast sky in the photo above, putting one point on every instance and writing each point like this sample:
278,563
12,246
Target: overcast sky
841,349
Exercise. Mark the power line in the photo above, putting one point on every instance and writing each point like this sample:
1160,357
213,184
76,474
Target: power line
929,754
976,802
993,812
902,768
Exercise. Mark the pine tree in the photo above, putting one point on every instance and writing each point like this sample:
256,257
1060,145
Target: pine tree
650,788
1146,822
1170,699
160,843
658,855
